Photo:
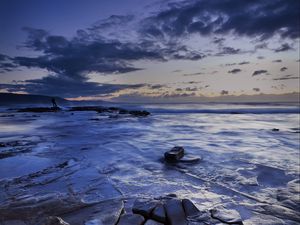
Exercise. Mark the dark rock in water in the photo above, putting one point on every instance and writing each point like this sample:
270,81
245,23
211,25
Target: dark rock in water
189,208
159,213
174,154
54,220
226,216
190,159
143,207
101,109
275,129
139,113
40,109
175,212
152,222
95,119
87,108
123,111
131,219
8,115
172,195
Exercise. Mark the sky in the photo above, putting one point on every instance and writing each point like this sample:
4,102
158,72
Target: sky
131,50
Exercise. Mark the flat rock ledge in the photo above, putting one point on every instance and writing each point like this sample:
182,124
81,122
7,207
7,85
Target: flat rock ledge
115,111
170,210
166,210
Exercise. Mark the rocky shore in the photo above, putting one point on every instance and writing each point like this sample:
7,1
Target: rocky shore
82,166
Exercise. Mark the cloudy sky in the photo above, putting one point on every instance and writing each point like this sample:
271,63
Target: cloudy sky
143,49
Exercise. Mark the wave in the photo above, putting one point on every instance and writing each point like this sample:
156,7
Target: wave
228,111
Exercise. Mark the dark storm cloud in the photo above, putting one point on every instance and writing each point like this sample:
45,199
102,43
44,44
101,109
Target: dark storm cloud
228,51
3,57
6,64
177,95
259,72
176,71
224,92
283,69
283,48
277,61
193,74
234,71
244,63
156,86
113,20
257,18
191,89
287,77
71,60
230,64
66,87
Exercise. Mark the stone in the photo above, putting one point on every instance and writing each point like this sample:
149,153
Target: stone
143,207
275,129
159,213
54,220
190,159
93,222
139,113
189,208
175,212
226,216
152,222
131,219
174,154
123,111
40,109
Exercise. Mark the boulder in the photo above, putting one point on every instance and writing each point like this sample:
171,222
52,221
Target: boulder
275,129
175,212
159,213
152,222
143,207
139,113
40,109
54,220
131,219
226,216
174,154
189,208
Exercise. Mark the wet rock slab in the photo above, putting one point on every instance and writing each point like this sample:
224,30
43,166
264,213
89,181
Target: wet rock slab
143,207
228,216
131,219
159,213
152,222
106,213
175,212
190,209
54,220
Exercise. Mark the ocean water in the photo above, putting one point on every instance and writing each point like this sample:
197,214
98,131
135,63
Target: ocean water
250,157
